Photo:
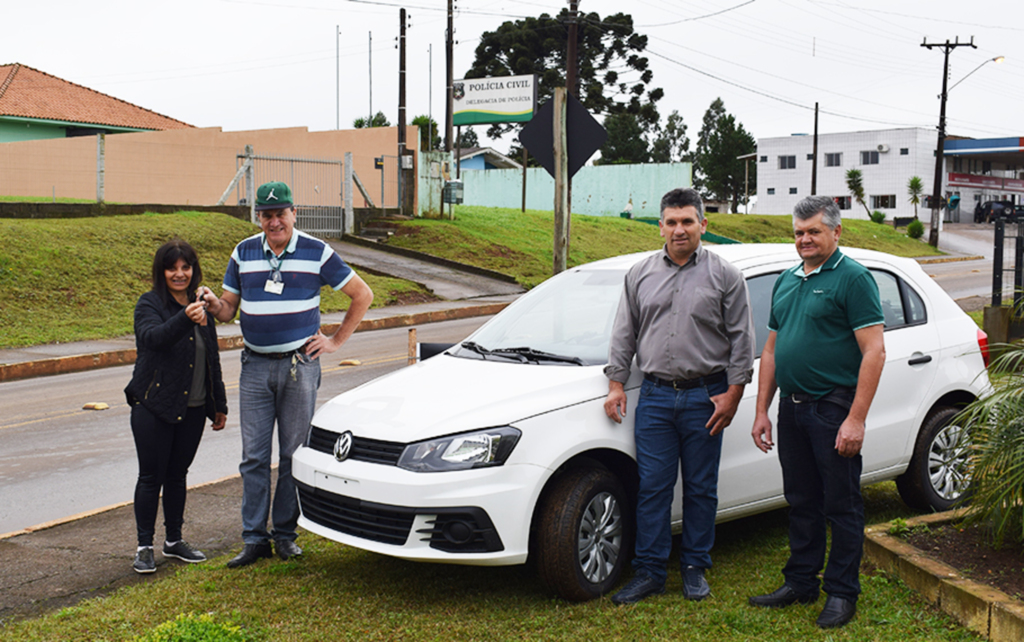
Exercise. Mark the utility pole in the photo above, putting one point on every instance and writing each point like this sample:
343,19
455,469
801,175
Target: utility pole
571,64
933,235
814,155
402,187
370,51
337,76
449,101
561,245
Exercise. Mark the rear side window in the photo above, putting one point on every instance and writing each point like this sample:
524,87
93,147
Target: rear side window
901,305
760,289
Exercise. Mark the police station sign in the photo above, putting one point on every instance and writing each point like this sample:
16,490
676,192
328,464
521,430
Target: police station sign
506,99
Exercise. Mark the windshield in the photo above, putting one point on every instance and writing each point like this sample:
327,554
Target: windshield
569,316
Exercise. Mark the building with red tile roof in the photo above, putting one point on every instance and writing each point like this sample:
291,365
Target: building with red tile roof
35,105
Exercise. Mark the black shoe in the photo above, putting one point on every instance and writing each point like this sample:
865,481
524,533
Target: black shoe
836,613
638,588
250,554
287,549
781,597
695,587
184,552
144,562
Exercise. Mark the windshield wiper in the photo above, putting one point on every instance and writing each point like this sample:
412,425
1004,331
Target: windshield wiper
538,355
484,352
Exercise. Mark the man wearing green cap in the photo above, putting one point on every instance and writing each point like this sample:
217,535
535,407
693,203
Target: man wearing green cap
273,279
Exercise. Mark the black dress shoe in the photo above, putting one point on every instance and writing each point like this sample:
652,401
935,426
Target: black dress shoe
287,549
250,554
638,588
836,613
783,596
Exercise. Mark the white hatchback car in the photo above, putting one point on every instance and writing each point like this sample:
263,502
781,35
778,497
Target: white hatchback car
499,449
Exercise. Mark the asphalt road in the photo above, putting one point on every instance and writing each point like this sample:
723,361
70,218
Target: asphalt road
59,460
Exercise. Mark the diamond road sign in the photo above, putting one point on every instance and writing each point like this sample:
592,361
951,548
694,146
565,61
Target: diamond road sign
584,135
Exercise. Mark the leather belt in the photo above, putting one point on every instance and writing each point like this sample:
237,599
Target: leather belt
688,384
274,355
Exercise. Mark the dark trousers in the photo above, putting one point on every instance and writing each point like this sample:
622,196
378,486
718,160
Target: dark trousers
165,452
820,486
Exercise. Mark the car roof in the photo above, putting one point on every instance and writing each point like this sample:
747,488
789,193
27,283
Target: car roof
747,255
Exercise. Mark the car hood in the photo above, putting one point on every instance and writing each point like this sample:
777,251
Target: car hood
446,395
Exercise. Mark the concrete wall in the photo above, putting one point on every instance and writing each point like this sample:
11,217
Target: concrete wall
182,166
601,190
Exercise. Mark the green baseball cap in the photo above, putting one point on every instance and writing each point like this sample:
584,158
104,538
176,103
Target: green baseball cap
273,196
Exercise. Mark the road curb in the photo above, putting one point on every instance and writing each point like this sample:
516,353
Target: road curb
81,362
949,259
981,608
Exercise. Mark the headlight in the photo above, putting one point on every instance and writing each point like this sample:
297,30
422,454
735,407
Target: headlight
478,449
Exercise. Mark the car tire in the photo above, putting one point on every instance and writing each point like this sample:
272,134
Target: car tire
585,534
937,478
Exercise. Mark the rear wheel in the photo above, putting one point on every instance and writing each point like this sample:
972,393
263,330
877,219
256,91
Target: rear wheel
585,535
938,475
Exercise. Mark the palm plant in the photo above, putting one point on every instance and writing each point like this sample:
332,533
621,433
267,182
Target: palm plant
995,425
855,183
915,187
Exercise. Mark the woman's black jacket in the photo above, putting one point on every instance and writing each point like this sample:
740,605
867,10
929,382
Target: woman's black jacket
165,357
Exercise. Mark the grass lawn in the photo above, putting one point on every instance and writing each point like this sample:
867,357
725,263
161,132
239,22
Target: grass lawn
519,243
73,279
340,593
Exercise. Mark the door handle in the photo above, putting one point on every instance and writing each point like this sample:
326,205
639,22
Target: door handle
916,361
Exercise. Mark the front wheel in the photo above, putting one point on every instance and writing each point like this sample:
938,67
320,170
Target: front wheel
938,475
585,535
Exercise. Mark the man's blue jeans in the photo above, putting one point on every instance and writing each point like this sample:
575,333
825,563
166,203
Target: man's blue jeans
820,485
269,391
671,436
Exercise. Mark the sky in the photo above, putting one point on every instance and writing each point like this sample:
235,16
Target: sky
264,64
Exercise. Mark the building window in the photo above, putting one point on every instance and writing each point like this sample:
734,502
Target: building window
834,160
771,190
869,158
810,157
958,164
843,202
787,162
884,202
904,151
764,159
792,190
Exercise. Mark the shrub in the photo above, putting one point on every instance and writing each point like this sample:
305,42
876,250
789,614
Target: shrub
193,628
996,427
916,229
878,217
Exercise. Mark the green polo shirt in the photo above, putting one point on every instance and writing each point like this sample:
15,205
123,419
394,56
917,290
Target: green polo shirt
814,317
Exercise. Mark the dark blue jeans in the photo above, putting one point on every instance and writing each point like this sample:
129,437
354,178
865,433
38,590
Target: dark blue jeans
670,436
820,486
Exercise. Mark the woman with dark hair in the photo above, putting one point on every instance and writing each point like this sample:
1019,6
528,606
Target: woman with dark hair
176,385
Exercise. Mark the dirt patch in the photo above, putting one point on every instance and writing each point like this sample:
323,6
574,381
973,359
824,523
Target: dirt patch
967,549
412,298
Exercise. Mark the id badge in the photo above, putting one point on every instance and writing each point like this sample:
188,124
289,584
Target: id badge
274,287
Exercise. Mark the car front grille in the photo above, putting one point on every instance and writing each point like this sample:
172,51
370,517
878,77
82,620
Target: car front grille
374,451
377,522
465,529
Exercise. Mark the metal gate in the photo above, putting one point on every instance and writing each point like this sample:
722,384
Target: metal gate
317,189
387,169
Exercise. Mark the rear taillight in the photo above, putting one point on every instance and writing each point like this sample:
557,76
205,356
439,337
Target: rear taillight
983,346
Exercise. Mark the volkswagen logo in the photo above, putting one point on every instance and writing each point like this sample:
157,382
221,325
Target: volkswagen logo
343,447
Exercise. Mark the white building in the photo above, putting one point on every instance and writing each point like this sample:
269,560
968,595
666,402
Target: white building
976,170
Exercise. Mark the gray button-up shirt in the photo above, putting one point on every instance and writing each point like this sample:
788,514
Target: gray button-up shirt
683,321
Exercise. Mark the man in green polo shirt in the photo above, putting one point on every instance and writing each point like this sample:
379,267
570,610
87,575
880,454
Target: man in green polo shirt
824,354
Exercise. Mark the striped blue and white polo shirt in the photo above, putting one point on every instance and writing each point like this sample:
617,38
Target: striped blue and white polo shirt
282,322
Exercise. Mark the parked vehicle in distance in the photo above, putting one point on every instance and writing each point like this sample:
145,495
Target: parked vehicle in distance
992,210
498,449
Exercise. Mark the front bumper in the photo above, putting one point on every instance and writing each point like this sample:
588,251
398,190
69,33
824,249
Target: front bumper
479,516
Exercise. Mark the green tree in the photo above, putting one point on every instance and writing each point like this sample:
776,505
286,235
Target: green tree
625,142
718,173
379,120
613,75
855,183
670,143
915,187
429,138
468,139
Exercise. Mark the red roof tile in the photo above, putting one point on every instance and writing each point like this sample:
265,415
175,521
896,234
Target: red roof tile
29,93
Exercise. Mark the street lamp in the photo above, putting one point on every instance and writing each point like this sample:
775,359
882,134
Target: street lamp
997,60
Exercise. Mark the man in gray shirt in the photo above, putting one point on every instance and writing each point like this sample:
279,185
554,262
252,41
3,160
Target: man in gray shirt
685,316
